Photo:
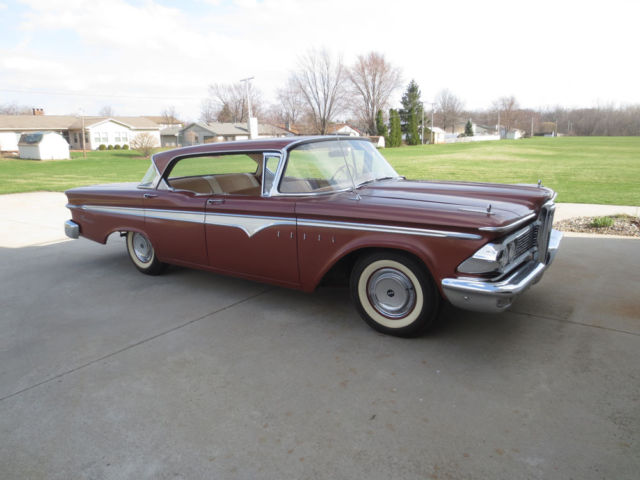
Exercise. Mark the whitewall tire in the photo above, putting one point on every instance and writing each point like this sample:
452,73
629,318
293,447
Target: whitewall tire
142,254
394,293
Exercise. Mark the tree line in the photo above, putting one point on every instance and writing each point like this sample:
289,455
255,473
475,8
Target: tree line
322,88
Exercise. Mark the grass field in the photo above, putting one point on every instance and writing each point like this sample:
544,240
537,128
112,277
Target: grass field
602,170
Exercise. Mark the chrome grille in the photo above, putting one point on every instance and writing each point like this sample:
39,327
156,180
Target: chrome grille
544,223
526,241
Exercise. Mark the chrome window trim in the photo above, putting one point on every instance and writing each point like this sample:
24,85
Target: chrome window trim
228,151
265,156
285,160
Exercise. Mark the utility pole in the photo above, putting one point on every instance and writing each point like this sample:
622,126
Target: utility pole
499,128
422,125
532,126
84,150
433,108
249,114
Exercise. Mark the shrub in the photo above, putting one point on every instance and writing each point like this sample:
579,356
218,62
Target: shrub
116,147
144,143
125,147
102,146
602,222
109,147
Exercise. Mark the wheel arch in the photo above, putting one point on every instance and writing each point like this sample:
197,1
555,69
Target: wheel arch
343,262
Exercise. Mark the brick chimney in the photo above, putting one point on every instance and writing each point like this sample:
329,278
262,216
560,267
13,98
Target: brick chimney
37,111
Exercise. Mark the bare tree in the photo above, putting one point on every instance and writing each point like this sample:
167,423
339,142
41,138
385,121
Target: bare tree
14,109
169,115
232,98
320,79
106,111
449,108
208,111
291,103
144,143
373,81
507,107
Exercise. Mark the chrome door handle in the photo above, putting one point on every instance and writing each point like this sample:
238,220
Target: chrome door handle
150,195
215,201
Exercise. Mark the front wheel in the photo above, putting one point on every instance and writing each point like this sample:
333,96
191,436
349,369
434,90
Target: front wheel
394,294
143,255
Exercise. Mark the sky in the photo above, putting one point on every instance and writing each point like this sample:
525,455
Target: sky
142,56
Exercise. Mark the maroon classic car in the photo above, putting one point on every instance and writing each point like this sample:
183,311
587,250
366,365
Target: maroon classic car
288,211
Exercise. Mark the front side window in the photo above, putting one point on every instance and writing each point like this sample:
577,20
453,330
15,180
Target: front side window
218,174
335,165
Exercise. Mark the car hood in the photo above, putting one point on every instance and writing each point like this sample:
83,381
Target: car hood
455,204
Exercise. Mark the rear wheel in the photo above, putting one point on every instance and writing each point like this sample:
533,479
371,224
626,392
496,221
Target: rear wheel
143,255
394,294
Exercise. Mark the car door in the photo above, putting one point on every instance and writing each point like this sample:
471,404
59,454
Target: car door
252,234
174,222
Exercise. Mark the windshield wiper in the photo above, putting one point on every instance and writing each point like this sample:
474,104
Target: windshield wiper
366,182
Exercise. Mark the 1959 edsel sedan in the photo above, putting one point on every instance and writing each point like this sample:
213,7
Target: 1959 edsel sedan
288,211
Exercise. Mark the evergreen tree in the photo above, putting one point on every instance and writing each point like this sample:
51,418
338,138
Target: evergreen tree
468,129
381,127
395,137
411,102
413,137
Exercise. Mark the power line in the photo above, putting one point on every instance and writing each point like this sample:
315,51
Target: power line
70,94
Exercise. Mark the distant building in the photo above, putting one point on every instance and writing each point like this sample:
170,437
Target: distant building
164,121
434,135
201,132
97,130
43,146
343,129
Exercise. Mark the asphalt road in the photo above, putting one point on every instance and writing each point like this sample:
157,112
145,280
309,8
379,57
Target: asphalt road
109,374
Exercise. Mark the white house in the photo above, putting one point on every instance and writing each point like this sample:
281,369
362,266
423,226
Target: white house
437,133
344,129
110,131
43,146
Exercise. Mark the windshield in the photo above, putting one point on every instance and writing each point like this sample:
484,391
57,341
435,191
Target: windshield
334,165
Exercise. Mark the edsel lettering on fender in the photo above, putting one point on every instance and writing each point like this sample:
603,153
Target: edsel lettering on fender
287,211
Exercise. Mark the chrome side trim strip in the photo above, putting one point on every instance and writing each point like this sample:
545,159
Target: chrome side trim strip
387,229
510,226
176,215
249,224
252,224
132,211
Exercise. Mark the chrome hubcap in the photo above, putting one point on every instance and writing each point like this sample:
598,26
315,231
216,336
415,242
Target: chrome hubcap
391,293
142,248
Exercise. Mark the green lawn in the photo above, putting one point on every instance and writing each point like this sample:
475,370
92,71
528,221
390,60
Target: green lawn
582,169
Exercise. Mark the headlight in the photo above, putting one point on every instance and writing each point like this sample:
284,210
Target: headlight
493,257
501,256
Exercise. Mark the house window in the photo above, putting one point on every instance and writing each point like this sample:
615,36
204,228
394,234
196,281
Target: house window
124,136
96,137
75,138
105,137
116,137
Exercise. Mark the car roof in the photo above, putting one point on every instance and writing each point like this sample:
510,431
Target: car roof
162,159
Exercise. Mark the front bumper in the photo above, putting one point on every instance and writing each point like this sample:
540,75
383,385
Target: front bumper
71,229
487,296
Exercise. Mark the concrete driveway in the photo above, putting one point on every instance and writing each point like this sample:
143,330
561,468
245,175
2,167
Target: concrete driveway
109,374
